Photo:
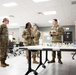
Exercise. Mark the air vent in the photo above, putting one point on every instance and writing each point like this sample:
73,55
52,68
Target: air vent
40,13
73,2
12,16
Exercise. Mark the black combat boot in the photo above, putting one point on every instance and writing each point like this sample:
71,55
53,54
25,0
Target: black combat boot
35,61
2,64
59,61
5,63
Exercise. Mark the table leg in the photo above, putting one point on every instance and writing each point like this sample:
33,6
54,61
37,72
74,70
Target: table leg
46,59
41,61
73,55
29,65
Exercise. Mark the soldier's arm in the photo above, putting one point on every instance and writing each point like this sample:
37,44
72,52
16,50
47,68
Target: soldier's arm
51,33
60,31
0,39
0,30
0,33
24,35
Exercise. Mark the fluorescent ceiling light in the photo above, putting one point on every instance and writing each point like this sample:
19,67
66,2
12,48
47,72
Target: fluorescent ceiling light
9,4
2,17
50,21
40,1
49,13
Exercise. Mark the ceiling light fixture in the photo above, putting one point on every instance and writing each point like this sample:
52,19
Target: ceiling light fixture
9,4
49,13
36,1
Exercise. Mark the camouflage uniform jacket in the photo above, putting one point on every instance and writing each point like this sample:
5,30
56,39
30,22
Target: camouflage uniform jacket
57,38
27,41
3,35
36,35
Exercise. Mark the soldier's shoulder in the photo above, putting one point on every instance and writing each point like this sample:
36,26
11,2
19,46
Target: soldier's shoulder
38,31
1,25
60,27
25,30
52,27
32,30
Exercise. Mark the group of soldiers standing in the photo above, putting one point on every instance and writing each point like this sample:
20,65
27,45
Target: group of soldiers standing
31,37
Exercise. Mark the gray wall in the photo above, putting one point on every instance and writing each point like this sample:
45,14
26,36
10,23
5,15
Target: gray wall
18,32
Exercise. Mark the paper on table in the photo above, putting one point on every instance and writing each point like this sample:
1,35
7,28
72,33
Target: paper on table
56,48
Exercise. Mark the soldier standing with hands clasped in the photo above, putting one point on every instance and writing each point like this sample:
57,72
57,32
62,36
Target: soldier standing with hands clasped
56,33
4,42
36,34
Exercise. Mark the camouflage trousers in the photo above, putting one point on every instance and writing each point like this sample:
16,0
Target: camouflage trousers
3,54
32,53
37,52
58,54
3,49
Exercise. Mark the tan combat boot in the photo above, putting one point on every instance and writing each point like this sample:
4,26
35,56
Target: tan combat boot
52,61
6,64
2,64
34,61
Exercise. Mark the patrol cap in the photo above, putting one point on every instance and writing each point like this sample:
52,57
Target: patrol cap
5,19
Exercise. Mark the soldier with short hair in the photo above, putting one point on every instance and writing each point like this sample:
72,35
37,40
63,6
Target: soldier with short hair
56,33
4,42
36,34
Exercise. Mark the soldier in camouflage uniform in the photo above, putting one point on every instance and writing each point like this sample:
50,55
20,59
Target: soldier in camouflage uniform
28,36
36,34
56,33
4,42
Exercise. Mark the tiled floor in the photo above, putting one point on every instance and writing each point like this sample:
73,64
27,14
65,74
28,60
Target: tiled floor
19,66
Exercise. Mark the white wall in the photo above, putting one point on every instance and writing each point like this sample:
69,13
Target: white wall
17,32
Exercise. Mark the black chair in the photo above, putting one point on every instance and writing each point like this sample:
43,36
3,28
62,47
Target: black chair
11,46
21,44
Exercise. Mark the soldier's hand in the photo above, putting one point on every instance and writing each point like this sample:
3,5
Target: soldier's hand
28,36
56,33
51,33
32,36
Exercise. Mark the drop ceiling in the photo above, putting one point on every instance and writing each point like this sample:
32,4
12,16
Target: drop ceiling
27,11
